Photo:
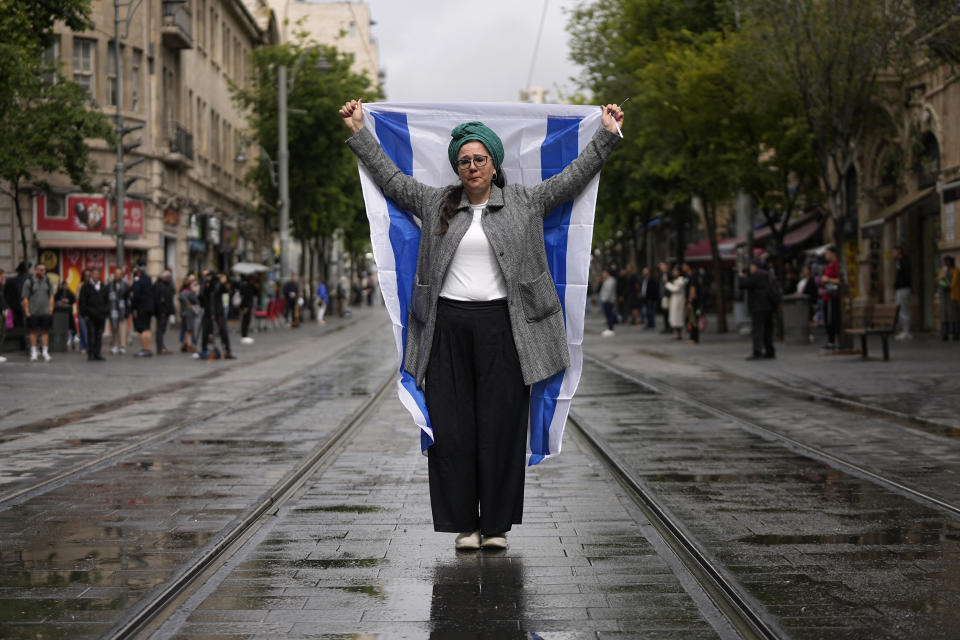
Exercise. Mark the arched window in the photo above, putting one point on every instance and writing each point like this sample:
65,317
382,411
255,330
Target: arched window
928,162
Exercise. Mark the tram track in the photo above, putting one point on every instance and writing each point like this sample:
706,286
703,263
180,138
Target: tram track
153,610
842,463
10,498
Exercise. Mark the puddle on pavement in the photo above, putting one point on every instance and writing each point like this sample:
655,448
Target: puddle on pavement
341,508
334,563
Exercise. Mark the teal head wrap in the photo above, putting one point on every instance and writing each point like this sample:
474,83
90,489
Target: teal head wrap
480,132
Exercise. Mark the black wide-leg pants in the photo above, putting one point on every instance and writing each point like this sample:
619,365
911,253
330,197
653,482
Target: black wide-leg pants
478,406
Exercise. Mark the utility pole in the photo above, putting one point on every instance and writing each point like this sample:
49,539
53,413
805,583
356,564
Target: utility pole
283,158
120,192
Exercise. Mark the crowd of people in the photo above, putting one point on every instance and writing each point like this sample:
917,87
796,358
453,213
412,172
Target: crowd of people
111,305
677,293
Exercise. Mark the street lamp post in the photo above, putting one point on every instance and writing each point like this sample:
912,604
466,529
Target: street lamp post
283,158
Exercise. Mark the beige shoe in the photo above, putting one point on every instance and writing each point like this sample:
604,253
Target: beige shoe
470,540
494,541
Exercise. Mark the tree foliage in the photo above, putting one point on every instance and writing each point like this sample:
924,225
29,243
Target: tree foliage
45,120
324,185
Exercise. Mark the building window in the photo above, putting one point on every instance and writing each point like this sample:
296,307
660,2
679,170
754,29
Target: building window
83,63
225,45
135,66
51,60
212,45
112,97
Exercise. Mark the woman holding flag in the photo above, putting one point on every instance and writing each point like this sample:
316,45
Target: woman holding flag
485,319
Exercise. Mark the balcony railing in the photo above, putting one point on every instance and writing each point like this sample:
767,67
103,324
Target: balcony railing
177,28
181,145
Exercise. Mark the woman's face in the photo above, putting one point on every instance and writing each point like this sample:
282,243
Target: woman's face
474,179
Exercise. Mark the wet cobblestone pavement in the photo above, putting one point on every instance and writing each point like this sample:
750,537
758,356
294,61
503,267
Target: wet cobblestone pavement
356,554
813,532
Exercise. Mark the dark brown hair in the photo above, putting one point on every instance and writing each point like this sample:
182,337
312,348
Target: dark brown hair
454,193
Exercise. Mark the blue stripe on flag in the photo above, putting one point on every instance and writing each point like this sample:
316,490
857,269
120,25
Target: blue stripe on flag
394,136
559,148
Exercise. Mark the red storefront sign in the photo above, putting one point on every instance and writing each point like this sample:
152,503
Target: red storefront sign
88,213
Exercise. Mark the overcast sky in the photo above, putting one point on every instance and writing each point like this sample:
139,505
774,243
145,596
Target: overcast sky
453,50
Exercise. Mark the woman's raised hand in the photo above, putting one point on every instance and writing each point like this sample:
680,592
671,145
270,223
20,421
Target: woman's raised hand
352,114
612,118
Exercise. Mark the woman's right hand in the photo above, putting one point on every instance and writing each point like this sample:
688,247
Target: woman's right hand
352,114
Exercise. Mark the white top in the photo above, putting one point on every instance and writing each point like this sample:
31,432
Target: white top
474,273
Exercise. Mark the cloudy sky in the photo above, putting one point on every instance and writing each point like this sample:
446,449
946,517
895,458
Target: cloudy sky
453,50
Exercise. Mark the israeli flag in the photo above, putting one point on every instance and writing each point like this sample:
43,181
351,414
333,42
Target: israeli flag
539,141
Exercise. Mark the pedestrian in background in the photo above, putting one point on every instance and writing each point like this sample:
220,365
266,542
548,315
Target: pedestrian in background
323,301
291,293
483,328
13,290
948,284
142,307
118,293
663,295
694,299
64,301
5,315
94,306
757,284
830,283
163,308
649,296
249,294
902,287
224,294
608,298
676,289
187,300
81,323
37,305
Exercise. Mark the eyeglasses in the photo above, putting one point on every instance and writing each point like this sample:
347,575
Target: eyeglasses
479,161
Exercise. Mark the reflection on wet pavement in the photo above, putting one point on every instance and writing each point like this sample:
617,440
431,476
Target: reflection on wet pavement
828,554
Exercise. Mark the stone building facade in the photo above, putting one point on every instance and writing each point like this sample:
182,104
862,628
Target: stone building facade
189,207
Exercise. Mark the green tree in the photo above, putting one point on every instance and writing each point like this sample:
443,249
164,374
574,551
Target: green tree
45,121
324,184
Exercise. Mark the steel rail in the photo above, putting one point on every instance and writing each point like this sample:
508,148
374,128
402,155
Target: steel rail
151,610
732,603
663,388
47,483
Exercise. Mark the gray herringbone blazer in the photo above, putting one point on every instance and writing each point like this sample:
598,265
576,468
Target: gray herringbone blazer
513,223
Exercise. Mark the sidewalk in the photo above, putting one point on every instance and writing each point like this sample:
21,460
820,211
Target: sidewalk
921,379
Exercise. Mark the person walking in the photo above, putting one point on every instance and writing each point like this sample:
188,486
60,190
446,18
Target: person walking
902,287
948,284
485,318
830,283
94,306
64,301
37,304
757,284
648,296
807,286
163,308
118,293
608,299
187,299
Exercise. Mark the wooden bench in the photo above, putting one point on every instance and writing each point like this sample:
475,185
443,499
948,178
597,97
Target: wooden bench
877,320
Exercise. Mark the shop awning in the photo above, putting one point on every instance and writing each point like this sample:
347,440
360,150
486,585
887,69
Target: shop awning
52,240
801,234
700,251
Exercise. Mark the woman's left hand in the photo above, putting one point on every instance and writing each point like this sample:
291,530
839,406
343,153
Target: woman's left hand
611,117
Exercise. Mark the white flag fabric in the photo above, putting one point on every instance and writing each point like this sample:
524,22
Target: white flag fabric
539,141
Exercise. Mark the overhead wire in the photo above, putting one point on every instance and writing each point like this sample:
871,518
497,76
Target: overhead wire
536,46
